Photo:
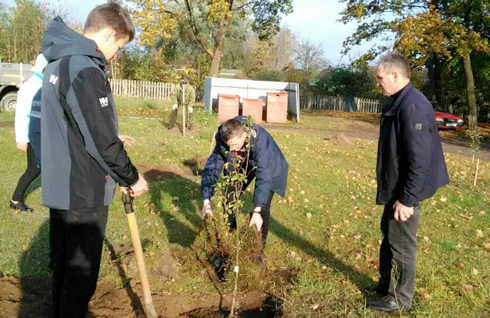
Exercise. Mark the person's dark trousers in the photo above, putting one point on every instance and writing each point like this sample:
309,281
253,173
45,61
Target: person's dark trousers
398,255
265,212
173,118
79,241
54,219
31,173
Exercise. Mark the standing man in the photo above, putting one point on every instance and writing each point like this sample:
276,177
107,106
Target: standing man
25,100
82,155
410,169
183,96
266,164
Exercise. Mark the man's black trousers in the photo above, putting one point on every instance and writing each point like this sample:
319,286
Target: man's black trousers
77,238
265,212
398,255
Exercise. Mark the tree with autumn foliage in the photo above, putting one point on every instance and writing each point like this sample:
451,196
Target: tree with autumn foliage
451,30
209,20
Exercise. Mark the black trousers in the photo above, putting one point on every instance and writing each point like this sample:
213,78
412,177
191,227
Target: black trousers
31,173
78,237
398,254
265,212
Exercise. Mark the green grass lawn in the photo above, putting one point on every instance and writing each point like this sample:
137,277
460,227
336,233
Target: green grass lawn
324,237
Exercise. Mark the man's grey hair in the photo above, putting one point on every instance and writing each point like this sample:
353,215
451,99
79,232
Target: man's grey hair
395,62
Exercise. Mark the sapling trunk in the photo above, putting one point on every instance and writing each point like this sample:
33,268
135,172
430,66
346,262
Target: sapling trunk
476,172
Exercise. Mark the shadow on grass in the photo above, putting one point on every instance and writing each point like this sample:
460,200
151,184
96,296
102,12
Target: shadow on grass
135,301
35,278
185,196
322,255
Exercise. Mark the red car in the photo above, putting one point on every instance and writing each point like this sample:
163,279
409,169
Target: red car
448,121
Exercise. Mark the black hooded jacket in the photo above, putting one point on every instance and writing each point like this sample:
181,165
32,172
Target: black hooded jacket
82,156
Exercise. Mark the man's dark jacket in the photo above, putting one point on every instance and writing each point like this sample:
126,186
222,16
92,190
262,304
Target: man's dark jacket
82,156
271,168
411,164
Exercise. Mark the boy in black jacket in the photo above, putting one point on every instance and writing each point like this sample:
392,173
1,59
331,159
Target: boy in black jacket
82,155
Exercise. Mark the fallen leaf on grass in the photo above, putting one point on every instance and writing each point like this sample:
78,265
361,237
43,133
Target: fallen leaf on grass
474,272
426,239
315,306
309,215
479,233
443,199
427,296
469,286
461,265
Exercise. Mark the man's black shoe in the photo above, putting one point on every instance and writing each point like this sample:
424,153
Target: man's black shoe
387,303
378,289
170,127
19,206
261,261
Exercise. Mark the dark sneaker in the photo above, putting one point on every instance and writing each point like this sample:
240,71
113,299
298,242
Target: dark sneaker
261,261
378,289
170,127
388,303
19,206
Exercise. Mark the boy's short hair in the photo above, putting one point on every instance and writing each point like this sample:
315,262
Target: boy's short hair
110,15
231,129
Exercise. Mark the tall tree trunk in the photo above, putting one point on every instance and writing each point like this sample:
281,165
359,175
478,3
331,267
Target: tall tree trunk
218,47
471,94
431,91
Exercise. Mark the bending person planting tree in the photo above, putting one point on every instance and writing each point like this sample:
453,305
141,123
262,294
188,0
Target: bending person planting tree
266,164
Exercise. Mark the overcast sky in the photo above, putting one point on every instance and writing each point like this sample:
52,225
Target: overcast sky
315,20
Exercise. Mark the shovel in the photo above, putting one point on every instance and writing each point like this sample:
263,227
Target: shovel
138,252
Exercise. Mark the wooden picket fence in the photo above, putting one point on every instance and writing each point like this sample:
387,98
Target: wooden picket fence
368,105
336,103
150,90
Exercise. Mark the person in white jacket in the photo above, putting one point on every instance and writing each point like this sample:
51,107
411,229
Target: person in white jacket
25,96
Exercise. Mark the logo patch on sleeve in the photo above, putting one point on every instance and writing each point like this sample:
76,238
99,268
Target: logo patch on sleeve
418,126
104,102
53,79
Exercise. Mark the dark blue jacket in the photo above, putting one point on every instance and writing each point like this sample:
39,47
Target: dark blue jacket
271,168
35,127
411,164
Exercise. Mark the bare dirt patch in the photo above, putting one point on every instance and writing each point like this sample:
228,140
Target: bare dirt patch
339,139
6,124
116,303
155,172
